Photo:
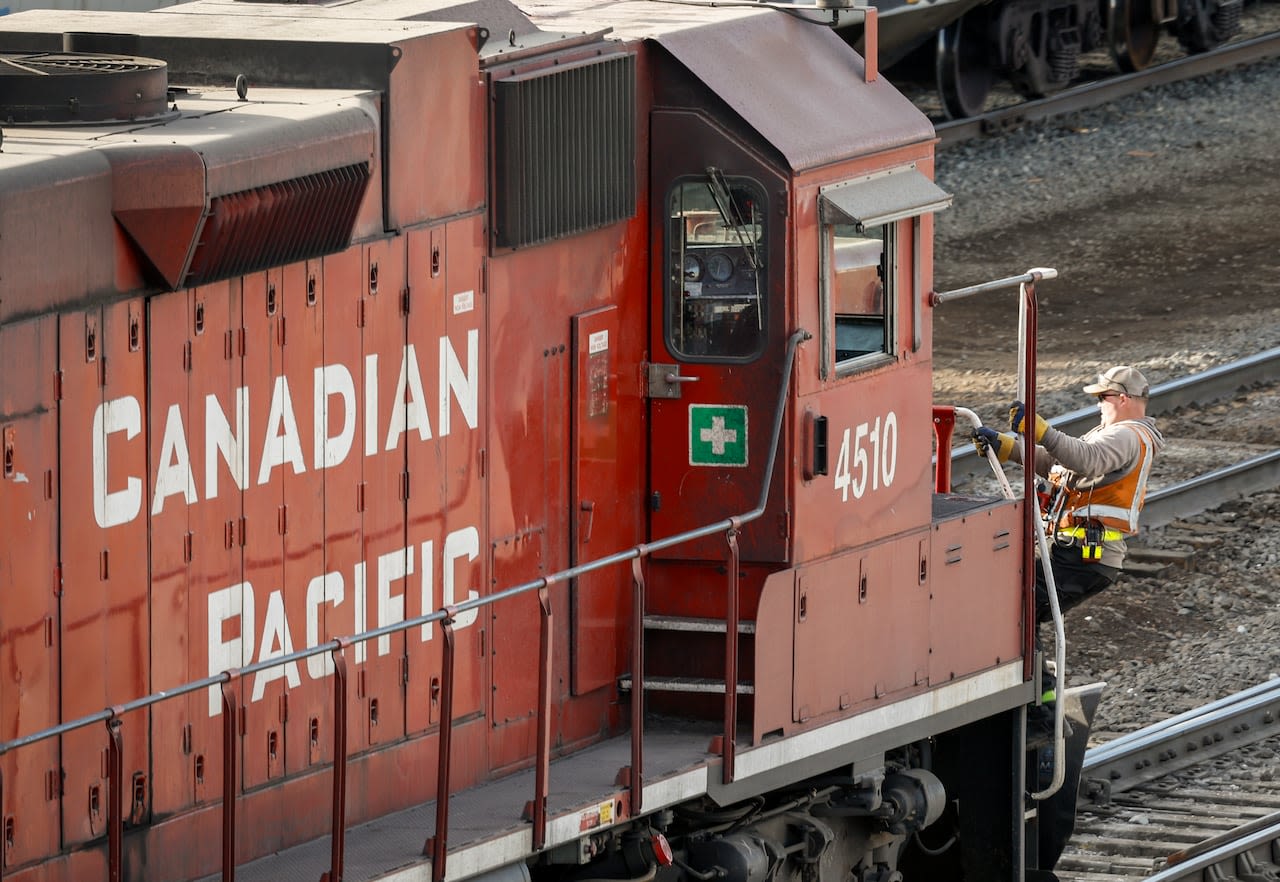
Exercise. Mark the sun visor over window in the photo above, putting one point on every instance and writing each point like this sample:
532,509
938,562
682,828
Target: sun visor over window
882,199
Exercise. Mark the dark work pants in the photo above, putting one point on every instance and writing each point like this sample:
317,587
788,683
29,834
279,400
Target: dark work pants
1076,578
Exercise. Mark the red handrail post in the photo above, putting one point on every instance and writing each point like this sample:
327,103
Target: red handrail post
1032,510
542,777
230,774
440,842
871,44
115,807
4,844
944,426
731,659
636,776
338,837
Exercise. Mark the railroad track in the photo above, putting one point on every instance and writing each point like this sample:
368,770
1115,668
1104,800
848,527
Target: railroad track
1182,799
1092,94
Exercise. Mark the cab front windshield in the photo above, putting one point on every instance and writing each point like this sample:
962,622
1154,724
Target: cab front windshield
716,276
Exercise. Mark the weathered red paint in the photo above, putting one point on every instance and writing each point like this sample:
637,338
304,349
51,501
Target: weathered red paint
203,479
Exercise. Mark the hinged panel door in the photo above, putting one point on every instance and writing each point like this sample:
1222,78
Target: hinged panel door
177,447
396,405
718,321
223,451
597,599
446,500
872,602
29,584
276,448
105,501
463,415
339,610
327,436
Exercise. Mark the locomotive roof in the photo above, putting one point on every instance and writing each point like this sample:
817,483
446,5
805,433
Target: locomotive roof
274,28
797,83
499,16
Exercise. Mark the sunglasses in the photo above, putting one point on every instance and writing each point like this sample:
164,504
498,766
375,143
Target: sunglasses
1102,396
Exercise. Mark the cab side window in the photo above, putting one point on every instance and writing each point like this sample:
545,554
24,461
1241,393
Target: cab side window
860,291
716,280
868,224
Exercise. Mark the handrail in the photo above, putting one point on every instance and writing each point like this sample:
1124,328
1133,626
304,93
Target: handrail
436,845
1032,527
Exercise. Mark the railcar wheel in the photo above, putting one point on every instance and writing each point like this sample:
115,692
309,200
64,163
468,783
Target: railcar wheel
1132,33
964,69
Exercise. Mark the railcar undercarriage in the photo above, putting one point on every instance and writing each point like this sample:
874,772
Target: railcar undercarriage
850,825
1037,45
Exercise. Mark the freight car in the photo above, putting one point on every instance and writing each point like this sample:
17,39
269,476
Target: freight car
1037,45
440,443
968,45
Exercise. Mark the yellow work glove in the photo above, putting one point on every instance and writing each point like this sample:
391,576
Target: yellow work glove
1017,415
985,439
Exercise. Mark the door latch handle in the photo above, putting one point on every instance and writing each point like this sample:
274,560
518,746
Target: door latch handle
585,520
665,380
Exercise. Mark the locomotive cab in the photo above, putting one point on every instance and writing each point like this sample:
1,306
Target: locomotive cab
765,226
790,282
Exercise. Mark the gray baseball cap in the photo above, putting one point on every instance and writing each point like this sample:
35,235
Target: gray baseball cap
1121,378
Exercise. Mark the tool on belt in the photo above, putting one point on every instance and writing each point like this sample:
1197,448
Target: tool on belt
1089,535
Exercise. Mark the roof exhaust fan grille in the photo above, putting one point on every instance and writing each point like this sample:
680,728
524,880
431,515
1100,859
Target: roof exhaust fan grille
49,88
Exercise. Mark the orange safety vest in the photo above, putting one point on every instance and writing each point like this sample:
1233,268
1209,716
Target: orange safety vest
1114,505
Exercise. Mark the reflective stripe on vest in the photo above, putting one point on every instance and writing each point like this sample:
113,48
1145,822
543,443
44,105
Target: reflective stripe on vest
1108,534
1116,504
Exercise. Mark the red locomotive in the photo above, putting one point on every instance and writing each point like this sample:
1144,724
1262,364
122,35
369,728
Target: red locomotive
440,442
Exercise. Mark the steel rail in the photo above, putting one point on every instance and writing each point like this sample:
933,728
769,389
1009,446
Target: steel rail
1093,94
1247,852
1267,824
1213,384
1244,853
1211,489
1180,742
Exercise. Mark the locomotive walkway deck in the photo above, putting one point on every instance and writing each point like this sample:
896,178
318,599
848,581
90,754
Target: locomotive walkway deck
485,827
486,831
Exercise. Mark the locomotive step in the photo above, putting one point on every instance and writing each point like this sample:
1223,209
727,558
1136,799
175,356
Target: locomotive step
685,623
684,684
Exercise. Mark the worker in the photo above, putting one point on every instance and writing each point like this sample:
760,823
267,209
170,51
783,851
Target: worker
1097,484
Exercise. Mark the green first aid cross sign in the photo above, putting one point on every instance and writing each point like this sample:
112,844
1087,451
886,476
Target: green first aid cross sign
717,435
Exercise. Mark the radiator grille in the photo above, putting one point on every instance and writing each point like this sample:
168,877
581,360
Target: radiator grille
565,151
278,224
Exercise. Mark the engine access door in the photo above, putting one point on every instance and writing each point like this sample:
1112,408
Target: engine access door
717,335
